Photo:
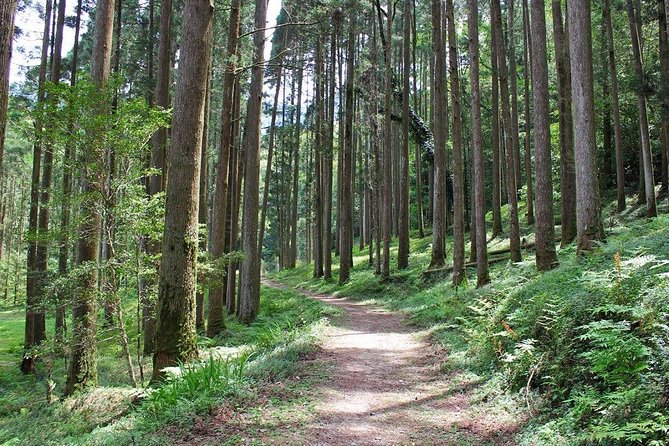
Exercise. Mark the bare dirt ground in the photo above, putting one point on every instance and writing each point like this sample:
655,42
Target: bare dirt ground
374,382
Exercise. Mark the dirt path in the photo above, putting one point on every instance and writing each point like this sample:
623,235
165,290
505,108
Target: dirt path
384,386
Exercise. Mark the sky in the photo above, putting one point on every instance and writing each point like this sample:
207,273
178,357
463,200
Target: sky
26,51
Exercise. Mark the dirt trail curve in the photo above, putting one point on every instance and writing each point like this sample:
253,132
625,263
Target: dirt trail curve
386,388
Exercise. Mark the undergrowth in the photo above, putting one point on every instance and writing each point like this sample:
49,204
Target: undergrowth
585,347
232,368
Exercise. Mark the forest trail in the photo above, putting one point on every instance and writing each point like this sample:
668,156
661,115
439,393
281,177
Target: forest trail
383,386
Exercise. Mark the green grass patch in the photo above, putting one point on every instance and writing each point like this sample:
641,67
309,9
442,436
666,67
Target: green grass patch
233,366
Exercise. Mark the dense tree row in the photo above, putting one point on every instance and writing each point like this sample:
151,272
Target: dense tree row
367,121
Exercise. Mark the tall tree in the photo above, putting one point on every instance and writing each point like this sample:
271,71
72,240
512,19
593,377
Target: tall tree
82,367
156,183
403,253
175,328
588,205
249,275
216,321
527,61
567,168
347,161
615,105
546,257
477,146
646,158
439,166
510,136
456,138
7,13
34,326
387,145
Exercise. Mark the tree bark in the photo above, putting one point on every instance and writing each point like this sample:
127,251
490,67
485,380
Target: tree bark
347,162
510,137
34,326
456,138
646,158
82,367
438,258
7,14
387,147
156,183
546,258
588,207
249,276
403,254
477,146
527,58
567,168
176,340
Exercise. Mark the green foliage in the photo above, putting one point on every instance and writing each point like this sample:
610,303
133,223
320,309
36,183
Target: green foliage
584,345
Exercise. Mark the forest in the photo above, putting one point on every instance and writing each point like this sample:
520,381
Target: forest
337,222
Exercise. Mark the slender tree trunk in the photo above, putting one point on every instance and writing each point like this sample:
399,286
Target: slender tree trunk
403,254
615,103
497,229
318,164
513,86
7,13
82,367
438,258
387,148
34,313
347,162
664,92
234,198
646,158
176,340
567,168
156,183
456,138
510,137
249,278
477,146
296,172
546,258
203,199
329,154
216,321
588,207
270,156
527,57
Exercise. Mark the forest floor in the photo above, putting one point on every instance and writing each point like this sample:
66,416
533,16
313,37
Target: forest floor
375,381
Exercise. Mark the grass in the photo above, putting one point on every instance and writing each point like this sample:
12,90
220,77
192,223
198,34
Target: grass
233,367
582,346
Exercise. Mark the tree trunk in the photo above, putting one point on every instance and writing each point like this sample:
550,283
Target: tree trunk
646,158
567,168
387,148
477,146
456,138
438,258
7,13
546,257
347,163
176,340
497,228
527,58
82,367
403,254
588,207
510,137
249,276
296,172
615,103
156,182
664,93
34,313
